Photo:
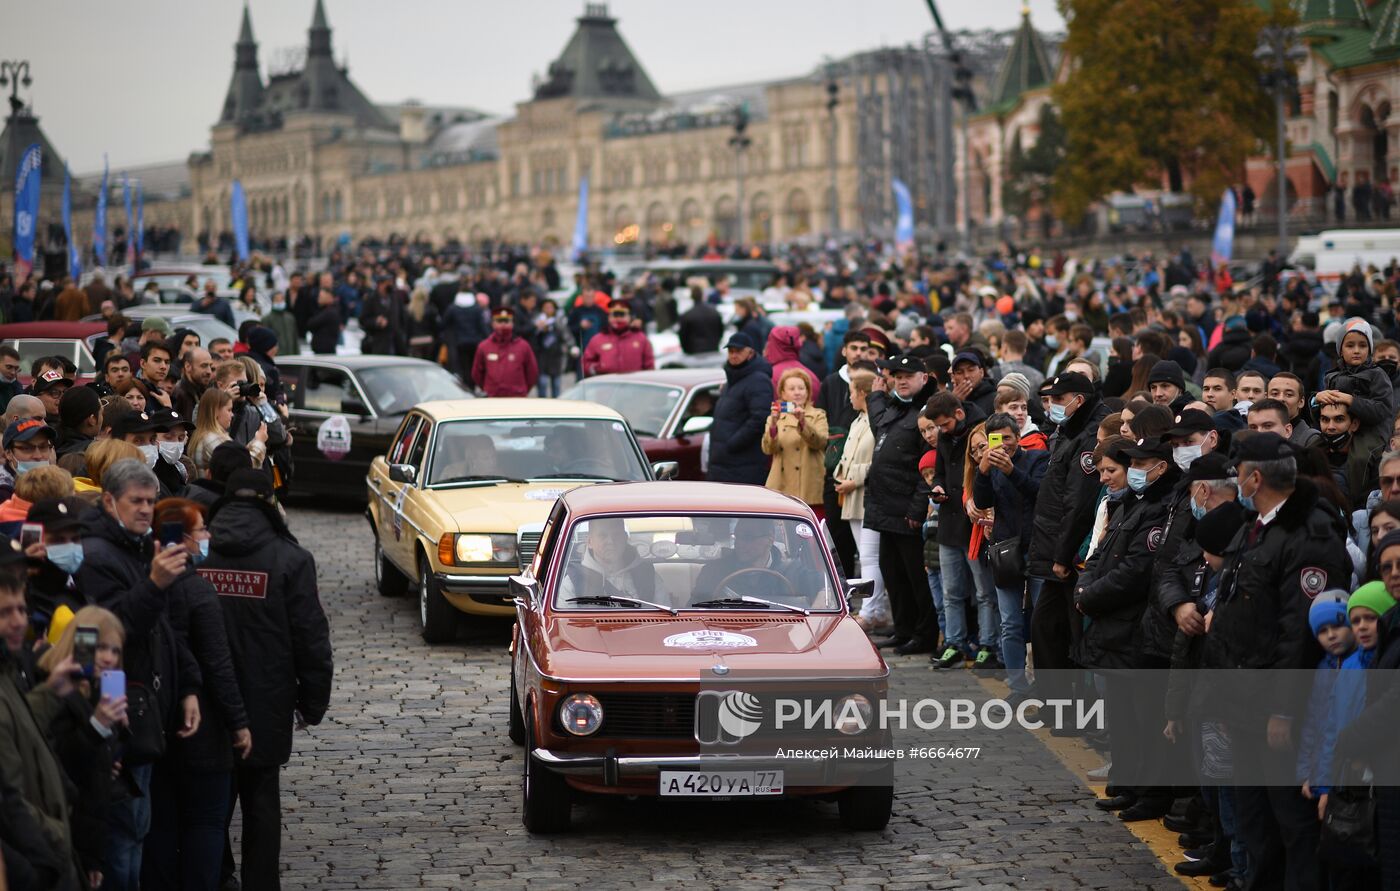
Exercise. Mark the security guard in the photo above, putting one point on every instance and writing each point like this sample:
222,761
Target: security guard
1290,549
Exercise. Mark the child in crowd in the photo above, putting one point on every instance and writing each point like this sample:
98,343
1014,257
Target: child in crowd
1356,381
931,564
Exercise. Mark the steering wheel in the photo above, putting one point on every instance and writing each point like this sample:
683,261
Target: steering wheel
791,591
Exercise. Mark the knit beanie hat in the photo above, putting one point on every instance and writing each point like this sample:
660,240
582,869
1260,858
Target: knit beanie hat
926,462
1373,596
1358,325
1018,382
1328,608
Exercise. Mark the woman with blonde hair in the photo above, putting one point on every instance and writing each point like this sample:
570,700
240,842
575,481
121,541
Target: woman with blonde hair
850,475
103,453
796,438
211,425
43,482
423,324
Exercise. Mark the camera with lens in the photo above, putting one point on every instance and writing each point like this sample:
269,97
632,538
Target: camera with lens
249,390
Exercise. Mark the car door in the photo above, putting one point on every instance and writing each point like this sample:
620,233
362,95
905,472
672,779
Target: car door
316,394
385,494
685,449
399,502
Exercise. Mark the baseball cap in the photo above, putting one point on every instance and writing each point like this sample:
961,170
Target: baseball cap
165,418
1211,466
54,514
1215,530
740,341
1191,420
50,379
156,323
903,364
134,422
24,430
248,483
1069,382
967,356
1149,448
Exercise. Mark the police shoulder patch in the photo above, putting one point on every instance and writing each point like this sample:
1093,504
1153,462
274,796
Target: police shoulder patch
1155,536
1312,580
1086,462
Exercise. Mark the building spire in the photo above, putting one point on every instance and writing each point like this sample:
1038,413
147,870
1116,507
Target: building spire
246,88
245,33
319,43
1027,65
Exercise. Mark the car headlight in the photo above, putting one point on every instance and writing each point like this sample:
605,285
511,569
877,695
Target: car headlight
581,714
853,714
486,548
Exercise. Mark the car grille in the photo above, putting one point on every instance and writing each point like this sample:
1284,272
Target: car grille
655,715
526,544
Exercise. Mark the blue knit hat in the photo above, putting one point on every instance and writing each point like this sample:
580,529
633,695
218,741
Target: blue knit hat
1328,608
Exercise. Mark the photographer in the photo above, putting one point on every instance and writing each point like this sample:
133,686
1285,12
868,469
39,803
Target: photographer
123,572
281,648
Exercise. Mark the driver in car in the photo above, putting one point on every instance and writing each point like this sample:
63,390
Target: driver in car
763,571
475,456
611,567
569,451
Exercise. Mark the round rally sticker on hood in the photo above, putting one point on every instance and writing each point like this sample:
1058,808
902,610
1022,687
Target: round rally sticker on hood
707,639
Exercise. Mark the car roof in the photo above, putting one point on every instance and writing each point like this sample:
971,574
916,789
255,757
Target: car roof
354,363
52,329
680,377
708,264
671,496
500,407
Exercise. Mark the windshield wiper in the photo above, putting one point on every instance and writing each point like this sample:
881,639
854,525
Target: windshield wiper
747,601
625,601
565,475
480,478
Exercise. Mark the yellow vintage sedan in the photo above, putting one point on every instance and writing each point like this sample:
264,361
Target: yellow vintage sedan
458,503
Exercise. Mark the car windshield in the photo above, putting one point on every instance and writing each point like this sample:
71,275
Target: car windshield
645,406
701,562
479,451
752,279
394,389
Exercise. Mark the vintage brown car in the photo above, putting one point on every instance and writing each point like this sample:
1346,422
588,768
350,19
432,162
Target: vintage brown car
663,628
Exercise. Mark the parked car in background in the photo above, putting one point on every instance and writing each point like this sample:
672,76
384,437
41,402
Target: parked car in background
207,327
372,394
458,501
74,341
668,409
649,647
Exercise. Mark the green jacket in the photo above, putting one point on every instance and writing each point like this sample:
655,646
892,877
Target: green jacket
26,761
284,325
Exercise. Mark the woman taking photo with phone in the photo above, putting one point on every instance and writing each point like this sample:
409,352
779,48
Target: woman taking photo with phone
796,438
191,786
90,727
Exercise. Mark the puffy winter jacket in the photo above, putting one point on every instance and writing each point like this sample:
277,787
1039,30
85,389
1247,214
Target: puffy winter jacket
784,351
743,407
1233,350
277,630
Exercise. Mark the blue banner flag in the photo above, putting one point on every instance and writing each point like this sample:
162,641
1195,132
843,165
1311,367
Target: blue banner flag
126,200
26,209
140,228
581,221
1224,243
904,220
99,220
238,213
75,261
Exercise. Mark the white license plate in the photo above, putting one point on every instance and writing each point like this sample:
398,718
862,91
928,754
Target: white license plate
726,783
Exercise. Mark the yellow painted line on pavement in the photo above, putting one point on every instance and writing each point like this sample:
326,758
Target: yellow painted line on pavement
1080,758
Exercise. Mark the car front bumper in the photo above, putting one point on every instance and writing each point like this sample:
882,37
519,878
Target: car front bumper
611,768
487,595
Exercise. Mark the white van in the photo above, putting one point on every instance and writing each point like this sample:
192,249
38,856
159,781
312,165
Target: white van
1339,250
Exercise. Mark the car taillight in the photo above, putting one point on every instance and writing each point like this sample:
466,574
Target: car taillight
445,547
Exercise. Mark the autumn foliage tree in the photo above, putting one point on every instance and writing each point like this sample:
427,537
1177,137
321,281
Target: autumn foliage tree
1160,87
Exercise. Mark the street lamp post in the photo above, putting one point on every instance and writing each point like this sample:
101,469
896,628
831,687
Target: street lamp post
1279,51
740,141
832,88
15,74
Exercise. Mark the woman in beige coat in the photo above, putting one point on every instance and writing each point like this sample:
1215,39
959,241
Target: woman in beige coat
796,438
850,476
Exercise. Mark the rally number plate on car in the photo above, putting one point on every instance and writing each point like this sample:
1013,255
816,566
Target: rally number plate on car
692,783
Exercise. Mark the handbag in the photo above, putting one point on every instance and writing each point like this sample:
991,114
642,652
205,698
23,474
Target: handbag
145,724
1349,824
1008,566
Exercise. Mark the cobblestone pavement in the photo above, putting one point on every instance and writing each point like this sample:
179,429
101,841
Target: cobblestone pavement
410,782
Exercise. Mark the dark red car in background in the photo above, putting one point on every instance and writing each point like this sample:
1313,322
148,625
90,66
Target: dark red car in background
72,340
669,409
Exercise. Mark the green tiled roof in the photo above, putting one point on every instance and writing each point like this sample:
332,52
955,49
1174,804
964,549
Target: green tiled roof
1351,47
1335,12
1387,36
1027,65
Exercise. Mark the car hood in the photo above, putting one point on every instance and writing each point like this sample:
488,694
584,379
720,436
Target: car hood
655,647
503,507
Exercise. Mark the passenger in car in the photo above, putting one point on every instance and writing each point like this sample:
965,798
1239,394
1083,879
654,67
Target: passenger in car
611,566
468,456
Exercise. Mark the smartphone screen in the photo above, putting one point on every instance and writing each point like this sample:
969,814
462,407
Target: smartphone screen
85,647
31,534
114,683
171,534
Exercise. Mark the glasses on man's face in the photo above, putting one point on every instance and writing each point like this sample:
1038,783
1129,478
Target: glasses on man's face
1389,481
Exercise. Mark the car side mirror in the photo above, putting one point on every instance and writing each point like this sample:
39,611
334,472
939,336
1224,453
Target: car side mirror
697,424
351,406
665,470
859,588
524,588
403,473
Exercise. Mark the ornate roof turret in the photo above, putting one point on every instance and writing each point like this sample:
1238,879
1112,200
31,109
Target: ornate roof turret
245,90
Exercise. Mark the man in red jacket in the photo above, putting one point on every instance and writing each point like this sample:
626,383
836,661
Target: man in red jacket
505,364
620,348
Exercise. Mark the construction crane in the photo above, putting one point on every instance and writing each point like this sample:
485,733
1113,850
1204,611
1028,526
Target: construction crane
962,93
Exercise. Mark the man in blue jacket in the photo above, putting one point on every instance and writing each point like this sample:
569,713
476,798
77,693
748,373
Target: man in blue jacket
736,450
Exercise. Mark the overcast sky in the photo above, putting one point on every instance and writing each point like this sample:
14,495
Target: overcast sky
143,80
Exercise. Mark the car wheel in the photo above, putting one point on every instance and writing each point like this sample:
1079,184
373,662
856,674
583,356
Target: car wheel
515,726
387,577
545,804
437,618
866,807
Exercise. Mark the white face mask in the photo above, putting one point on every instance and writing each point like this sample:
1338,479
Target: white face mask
171,451
151,453
1184,455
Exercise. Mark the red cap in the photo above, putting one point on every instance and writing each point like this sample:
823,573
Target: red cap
927,461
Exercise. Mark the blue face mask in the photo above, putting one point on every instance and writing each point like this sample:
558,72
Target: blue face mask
1057,414
1137,479
23,467
67,557
1052,341
1247,501
203,553
1197,510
